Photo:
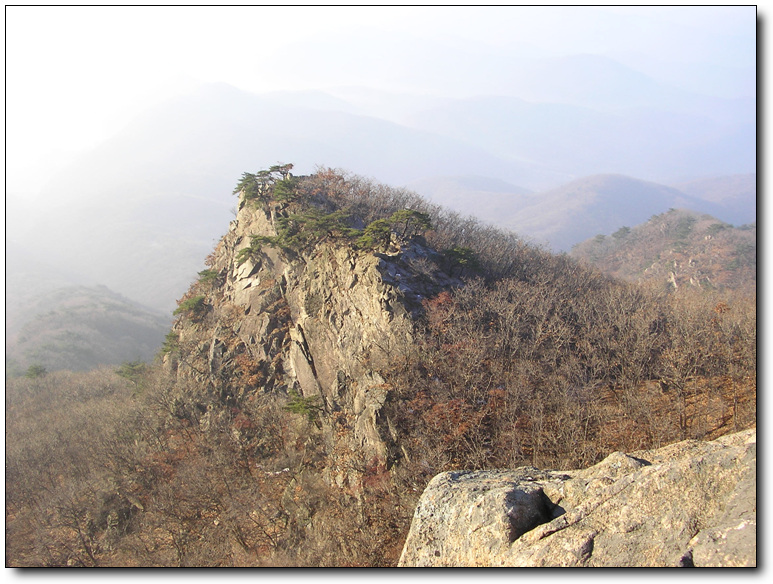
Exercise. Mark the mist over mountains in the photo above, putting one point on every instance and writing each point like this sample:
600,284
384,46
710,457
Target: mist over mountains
273,270
140,212
600,204
556,145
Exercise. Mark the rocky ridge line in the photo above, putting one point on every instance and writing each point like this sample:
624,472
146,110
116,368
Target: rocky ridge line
321,324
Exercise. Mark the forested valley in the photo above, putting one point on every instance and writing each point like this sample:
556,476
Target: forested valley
213,455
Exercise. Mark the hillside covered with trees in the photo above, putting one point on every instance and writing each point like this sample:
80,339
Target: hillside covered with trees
679,248
345,342
78,328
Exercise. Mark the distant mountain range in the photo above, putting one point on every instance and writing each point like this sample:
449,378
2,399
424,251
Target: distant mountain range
735,195
600,204
139,213
645,141
559,148
80,327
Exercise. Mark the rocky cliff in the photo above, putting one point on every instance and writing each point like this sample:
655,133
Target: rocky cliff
313,303
318,323
688,504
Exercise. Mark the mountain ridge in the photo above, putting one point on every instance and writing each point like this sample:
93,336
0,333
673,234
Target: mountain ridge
78,328
678,248
159,185
347,342
585,207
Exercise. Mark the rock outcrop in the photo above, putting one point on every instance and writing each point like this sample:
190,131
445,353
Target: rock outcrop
688,504
321,323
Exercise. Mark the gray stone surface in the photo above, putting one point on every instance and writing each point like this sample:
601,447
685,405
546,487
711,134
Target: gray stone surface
688,504
322,323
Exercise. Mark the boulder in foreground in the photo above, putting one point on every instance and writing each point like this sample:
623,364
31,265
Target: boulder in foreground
688,504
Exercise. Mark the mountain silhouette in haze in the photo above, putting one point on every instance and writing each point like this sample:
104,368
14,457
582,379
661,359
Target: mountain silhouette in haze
138,212
651,143
736,195
600,204
153,198
591,205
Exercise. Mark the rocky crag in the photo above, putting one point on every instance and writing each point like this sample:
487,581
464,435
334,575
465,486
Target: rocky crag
316,322
688,504
319,298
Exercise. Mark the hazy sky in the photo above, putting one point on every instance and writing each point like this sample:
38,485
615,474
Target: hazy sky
75,75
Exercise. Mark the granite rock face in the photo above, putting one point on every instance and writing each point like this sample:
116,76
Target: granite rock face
321,322
688,504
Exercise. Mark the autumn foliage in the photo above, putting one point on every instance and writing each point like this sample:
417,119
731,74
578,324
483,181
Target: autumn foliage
535,360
